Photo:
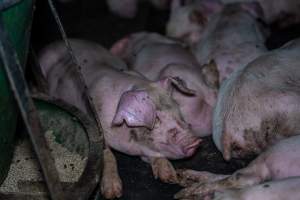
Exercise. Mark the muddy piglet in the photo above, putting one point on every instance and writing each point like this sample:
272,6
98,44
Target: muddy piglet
257,113
279,164
259,103
139,117
156,57
232,39
188,21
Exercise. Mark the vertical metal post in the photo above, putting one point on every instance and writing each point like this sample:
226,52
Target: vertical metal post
29,114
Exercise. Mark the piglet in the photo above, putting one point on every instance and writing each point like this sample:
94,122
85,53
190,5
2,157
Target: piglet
233,38
129,47
259,103
156,57
187,22
281,13
258,107
139,117
280,163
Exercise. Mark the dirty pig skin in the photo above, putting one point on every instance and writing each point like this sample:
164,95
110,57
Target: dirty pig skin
233,38
156,56
273,175
139,117
257,113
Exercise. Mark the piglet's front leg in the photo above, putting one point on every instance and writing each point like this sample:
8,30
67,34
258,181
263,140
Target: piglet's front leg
111,184
163,169
188,177
253,174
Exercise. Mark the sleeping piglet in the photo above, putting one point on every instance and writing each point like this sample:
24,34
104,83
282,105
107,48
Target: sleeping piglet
232,39
257,113
156,57
139,117
279,165
188,21
259,103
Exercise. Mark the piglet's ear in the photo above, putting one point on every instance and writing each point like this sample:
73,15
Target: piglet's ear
135,109
119,47
169,82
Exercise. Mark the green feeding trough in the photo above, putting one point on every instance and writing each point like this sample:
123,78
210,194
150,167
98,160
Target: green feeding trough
76,138
17,20
75,145
72,137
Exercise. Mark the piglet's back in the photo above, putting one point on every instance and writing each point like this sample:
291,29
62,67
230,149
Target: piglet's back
259,103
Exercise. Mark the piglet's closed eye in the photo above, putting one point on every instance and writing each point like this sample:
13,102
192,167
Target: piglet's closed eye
169,82
135,109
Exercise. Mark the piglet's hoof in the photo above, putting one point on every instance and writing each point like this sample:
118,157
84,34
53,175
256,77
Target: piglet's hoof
111,186
164,170
185,178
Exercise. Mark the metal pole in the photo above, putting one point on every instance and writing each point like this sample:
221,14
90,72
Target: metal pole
29,114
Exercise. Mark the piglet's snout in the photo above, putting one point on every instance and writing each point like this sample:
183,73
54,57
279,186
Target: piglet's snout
187,142
190,149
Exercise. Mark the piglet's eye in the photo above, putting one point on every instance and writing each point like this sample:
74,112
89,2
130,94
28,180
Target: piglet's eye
157,121
173,134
